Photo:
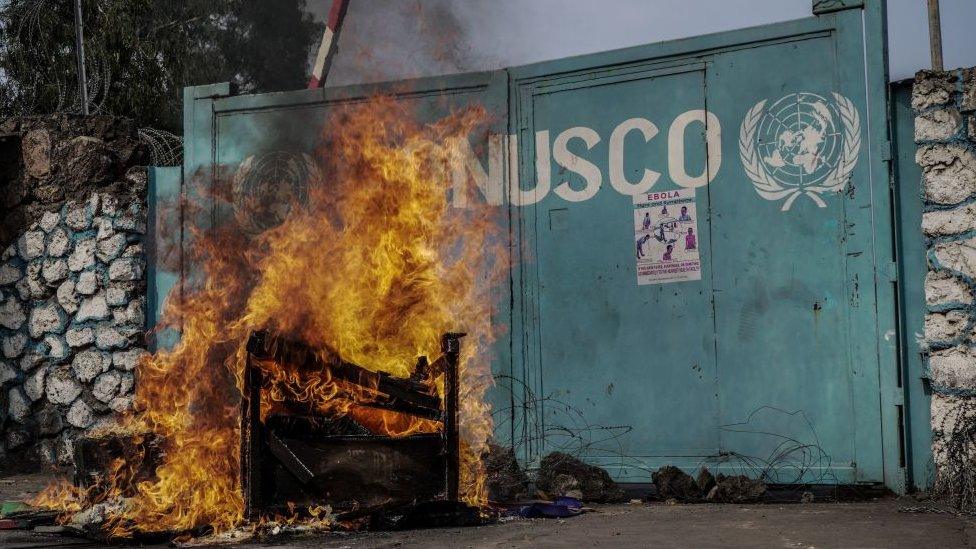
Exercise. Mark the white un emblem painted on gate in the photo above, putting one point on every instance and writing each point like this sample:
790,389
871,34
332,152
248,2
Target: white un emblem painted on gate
803,144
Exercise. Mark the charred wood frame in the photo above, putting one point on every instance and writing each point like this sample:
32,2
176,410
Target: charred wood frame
306,459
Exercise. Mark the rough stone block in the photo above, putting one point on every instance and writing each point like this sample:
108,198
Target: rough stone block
31,245
80,216
36,288
110,248
83,255
80,414
949,222
108,338
57,347
968,102
32,358
93,308
125,269
132,314
105,228
79,337
107,385
36,152
67,296
54,270
13,345
88,364
49,221
959,256
87,158
949,172
953,368
12,314
944,289
18,406
58,243
46,319
950,184
937,125
128,360
134,250
118,293
932,89
110,205
121,404
127,382
87,283
133,220
23,290
9,274
34,384
945,326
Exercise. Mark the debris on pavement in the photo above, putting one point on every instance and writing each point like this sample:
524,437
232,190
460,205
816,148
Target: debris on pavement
592,482
561,507
736,489
673,483
506,481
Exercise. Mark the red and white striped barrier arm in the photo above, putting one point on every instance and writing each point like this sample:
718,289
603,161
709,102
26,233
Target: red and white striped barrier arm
327,49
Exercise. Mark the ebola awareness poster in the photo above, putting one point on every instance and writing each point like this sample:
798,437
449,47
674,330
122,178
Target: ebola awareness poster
666,237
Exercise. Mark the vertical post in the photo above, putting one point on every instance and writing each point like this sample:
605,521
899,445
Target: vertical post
329,44
451,347
80,55
935,35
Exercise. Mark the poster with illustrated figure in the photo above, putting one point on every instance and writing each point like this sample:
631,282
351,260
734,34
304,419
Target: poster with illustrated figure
666,237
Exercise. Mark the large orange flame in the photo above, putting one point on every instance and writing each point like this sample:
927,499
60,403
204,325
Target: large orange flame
375,267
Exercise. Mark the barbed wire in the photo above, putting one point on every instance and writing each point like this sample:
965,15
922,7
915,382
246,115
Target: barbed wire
165,148
794,460
954,449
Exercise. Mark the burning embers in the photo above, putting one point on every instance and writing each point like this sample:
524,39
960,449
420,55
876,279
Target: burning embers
342,452
368,275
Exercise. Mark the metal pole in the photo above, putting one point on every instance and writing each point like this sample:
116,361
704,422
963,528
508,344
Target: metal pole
80,54
935,35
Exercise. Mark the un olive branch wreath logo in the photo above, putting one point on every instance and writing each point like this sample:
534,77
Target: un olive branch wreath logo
807,153
265,188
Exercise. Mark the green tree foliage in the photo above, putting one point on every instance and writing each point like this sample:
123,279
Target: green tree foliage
140,54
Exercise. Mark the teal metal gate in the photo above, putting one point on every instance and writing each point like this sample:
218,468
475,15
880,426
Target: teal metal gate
703,240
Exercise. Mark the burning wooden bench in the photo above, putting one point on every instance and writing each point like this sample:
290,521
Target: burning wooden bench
296,455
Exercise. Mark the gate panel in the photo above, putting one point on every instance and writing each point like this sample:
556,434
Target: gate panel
786,326
615,356
794,269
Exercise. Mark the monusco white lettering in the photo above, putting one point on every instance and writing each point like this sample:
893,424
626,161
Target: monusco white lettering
577,164
676,148
503,150
616,161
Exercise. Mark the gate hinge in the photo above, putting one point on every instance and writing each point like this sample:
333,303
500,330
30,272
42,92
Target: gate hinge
886,151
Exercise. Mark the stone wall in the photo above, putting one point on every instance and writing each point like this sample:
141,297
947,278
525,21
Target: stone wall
945,134
72,281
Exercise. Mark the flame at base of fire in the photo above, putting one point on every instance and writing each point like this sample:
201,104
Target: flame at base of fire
375,266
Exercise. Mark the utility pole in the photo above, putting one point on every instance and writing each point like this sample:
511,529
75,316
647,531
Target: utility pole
80,54
935,35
